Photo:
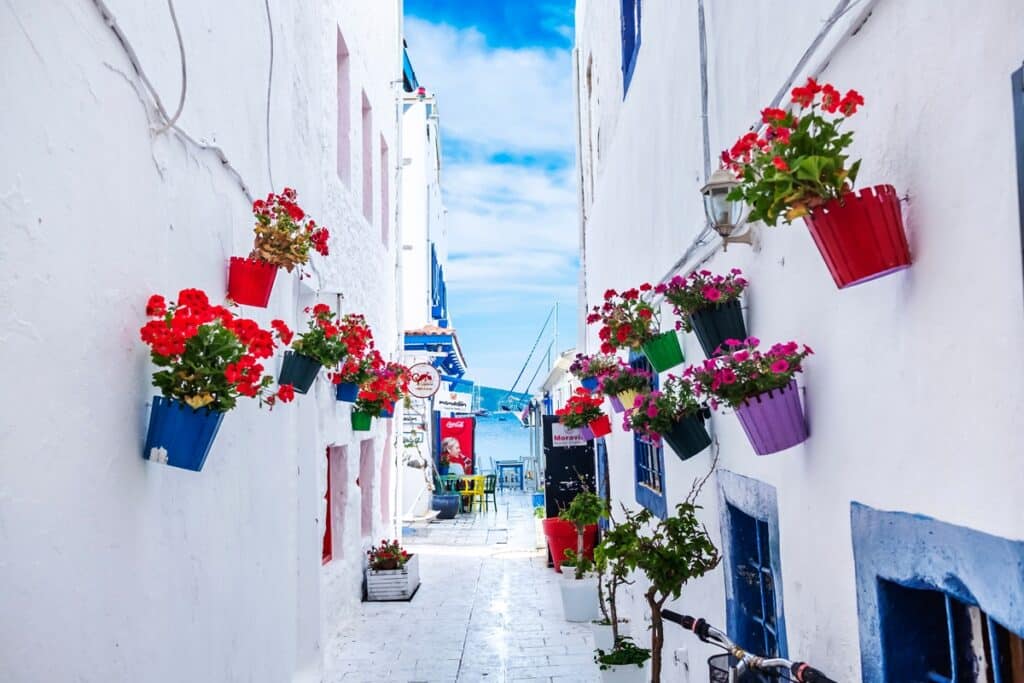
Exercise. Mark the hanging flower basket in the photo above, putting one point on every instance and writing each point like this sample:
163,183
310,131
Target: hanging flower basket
590,383
180,436
862,237
602,426
624,400
361,421
774,420
250,281
663,351
348,392
715,324
388,411
688,436
299,370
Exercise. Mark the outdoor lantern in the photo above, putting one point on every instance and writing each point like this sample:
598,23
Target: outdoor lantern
724,214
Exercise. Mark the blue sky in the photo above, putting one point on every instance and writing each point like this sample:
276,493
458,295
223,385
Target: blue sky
501,70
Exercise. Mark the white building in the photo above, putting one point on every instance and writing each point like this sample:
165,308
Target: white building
904,502
114,568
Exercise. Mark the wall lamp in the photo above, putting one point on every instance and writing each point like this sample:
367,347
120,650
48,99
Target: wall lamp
725,215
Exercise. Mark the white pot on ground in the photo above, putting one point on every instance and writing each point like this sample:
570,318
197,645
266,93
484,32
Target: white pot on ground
538,533
603,634
626,673
579,598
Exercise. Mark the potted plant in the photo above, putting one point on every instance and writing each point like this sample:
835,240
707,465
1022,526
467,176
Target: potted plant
622,384
762,388
800,168
629,321
625,662
358,339
709,305
561,534
319,346
284,238
538,526
356,371
391,572
579,591
207,357
375,396
589,369
583,411
673,413
612,573
669,553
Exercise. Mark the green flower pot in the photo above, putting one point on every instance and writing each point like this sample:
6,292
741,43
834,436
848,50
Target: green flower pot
664,352
361,421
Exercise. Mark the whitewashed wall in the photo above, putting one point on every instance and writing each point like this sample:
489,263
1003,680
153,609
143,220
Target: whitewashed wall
914,394
113,568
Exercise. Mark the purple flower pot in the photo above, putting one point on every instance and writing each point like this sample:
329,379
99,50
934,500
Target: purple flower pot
587,433
616,404
774,420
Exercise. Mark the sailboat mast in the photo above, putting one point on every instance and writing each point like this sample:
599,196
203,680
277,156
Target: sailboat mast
556,336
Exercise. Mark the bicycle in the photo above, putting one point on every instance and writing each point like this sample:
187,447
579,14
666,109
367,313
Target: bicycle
748,668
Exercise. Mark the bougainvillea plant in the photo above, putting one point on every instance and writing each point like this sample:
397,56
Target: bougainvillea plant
744,371
581,409
384,388
359,369
657,411
700,290
627,320
209,357
322,341
284,235
387,555
584,366
624,377
800,160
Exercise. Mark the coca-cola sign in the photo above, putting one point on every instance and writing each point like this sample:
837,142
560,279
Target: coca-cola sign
424,380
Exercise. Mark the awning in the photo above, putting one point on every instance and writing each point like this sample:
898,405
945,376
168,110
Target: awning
442,343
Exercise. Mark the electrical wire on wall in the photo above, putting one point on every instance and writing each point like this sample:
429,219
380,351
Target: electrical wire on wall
270,82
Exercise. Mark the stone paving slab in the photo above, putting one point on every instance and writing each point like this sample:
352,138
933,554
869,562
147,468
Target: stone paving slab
488,610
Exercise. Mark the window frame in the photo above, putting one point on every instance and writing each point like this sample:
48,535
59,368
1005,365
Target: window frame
631,22
1017,83
648,459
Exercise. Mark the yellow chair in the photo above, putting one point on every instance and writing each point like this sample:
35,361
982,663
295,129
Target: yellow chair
475,490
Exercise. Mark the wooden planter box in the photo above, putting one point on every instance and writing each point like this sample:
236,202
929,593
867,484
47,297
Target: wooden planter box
393,584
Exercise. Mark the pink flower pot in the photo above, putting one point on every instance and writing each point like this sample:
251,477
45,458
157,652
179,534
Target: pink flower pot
774,420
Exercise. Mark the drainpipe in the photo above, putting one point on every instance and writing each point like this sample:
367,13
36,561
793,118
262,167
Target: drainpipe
580,200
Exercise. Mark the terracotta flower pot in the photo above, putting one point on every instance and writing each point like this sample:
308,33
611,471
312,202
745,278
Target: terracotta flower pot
179,436
250,281
663,351
862,237
715,324
774,420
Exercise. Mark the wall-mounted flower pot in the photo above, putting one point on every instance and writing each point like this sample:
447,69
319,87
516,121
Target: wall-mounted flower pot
774,420
862,237
590,383
250,281
446,504
663,351
388,412
623,400
715,324
299,370
179,436
562,535
602,426
361,421
348,392
688,436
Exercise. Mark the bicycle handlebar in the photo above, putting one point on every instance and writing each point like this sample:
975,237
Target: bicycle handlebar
803,672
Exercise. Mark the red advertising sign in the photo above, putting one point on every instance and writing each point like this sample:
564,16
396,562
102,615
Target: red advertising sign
462,430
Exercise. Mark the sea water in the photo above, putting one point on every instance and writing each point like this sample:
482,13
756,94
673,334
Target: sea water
500,437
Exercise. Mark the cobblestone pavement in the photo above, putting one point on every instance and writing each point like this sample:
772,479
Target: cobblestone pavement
488,609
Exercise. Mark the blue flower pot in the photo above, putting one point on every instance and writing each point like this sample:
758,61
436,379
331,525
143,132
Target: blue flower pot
298,370
446,504
590,383
348,392
179,436
385,413
538,499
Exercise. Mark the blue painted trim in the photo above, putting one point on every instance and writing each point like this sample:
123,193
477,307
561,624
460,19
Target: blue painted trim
603,481
648,457
409,82
631,38
759,500
1017,81
924,553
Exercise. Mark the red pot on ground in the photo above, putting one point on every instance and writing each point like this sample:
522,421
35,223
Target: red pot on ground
862,237
561,535
250,281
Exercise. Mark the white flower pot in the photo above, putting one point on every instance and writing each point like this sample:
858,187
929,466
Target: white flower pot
579,598
626,673
538,533
603,634
393,584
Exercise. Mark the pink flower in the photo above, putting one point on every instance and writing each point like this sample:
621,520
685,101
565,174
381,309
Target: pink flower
711,294
740,356
652,410
728,376
780,366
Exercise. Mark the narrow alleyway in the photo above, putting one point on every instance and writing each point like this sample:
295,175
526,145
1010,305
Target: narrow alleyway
488,610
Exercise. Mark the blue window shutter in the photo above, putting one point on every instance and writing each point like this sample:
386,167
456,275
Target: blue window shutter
648,461
630,25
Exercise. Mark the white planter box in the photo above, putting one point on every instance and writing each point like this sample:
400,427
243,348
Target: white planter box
538,533
393,584
626,673
579,598
603,634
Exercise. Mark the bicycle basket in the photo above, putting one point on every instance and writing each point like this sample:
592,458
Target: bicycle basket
718,668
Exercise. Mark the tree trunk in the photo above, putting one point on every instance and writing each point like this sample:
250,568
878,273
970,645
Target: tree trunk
601,596
657,635
579,552
613,613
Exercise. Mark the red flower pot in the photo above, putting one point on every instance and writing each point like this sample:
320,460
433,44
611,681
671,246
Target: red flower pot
861,238
602,426
250,281
561,535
